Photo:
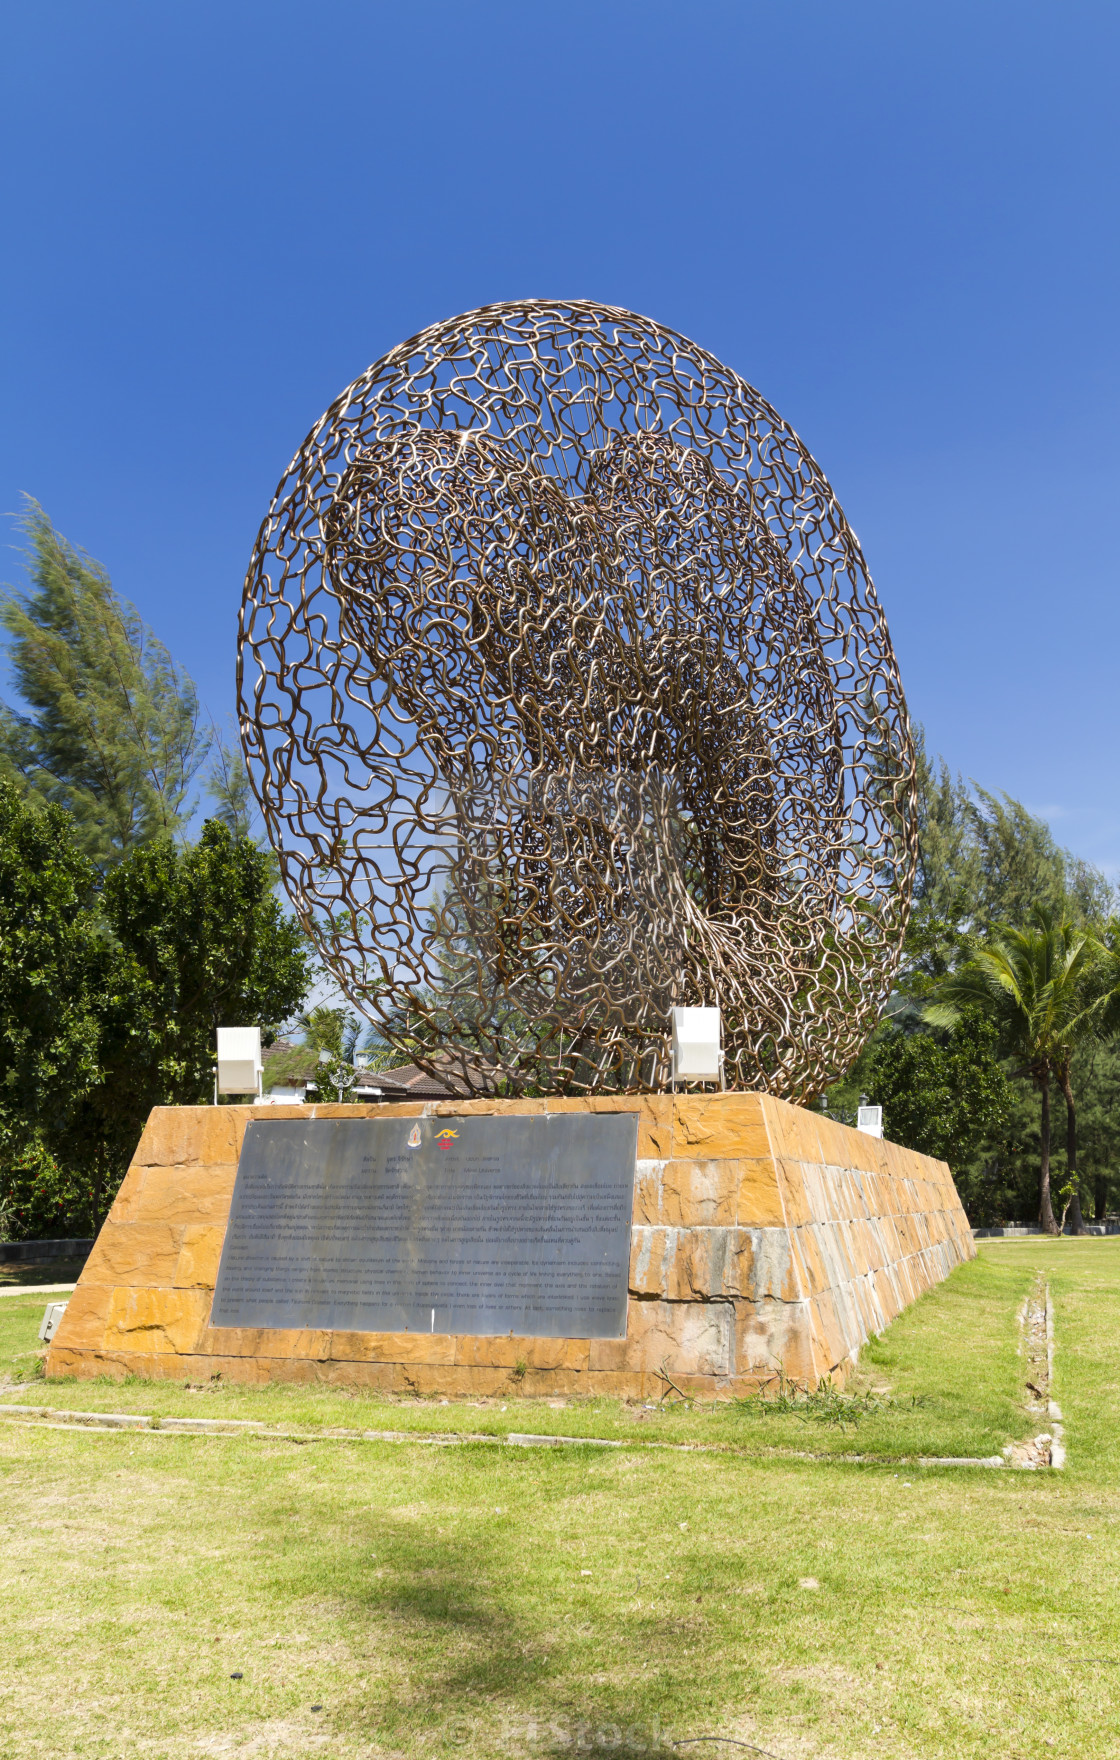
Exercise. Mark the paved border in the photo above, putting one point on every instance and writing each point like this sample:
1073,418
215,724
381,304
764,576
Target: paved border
61,1418
56,1418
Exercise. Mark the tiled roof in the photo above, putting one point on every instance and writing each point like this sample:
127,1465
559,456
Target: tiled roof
414,1084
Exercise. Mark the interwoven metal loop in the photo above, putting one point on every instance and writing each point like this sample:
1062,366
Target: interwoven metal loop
566,696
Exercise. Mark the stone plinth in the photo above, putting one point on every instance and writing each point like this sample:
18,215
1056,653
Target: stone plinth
763,1235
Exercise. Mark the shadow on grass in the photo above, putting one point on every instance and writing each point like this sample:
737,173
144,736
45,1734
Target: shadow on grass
20,1272
507,1648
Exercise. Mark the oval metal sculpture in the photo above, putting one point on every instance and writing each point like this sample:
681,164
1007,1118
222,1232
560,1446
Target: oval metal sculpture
566,698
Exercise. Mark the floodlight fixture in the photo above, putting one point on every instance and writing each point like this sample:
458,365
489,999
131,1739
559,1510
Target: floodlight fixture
697,1044
240,1067
869,1120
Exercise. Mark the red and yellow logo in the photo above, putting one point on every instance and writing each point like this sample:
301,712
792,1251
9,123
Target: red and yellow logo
443,1138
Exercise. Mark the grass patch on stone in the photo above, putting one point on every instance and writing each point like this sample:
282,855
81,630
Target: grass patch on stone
481,1601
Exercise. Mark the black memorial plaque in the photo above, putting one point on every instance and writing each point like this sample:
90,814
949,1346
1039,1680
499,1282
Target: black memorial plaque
467,1225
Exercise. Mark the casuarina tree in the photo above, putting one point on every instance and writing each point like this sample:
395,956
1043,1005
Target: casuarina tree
111,728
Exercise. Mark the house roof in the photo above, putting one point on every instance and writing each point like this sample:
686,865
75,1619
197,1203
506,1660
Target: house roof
414,1084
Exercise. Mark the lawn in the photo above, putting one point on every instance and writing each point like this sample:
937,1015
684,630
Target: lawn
388,1599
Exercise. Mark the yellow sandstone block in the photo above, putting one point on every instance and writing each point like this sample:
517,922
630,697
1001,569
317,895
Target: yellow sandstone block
248,1370
888,1292
183,1193
451,1381
682,1194
807,1261
706,1264
651,1202
177,1134
773,1337
87,1363
655,1120
767,1266
794,1180
538,1354
833,1140
793,1130
760,1199
655,1125
711,1126
128,1198
860,1246
198,1257
262,1341
392,1347
703,1265
156,1321
82,1327
693,1337
832,1340
142,1253
330,1109
648,1250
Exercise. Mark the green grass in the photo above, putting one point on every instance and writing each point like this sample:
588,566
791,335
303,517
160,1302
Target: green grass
953,1351
434,1601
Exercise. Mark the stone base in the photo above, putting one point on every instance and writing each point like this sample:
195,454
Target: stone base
764,1235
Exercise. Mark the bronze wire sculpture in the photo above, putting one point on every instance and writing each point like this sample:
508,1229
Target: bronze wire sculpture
566,697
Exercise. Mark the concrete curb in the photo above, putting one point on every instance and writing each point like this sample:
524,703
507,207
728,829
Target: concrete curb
58,1418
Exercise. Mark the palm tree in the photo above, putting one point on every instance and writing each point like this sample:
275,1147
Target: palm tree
1034,984
330,1029
333,1033
1107,987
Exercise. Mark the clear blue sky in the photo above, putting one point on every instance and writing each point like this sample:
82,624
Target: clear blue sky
897,218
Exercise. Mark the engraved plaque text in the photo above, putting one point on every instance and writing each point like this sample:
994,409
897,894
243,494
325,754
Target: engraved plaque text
484,1225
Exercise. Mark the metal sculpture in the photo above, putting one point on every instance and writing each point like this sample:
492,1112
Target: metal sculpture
566,697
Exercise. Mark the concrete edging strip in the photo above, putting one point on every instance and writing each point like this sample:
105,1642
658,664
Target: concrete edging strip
48,1417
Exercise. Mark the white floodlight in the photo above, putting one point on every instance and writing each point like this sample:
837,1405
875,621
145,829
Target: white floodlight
697,1044
54,1313
239,1061
869,1120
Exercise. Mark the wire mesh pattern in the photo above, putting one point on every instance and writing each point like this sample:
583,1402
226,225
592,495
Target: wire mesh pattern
566,697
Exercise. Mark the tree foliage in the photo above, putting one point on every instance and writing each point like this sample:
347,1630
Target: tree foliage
110,1001
208,945
124,948
1035,986
986,862
331,1033
53,962
229,788
944,1093
111,728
